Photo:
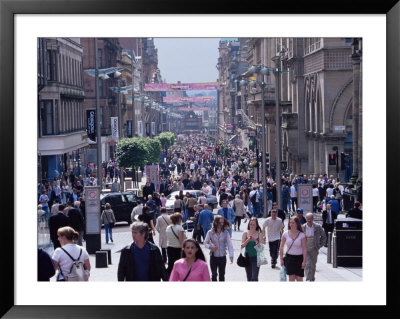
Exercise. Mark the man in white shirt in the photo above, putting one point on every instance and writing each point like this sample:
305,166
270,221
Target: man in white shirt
137,211
293,196
274,226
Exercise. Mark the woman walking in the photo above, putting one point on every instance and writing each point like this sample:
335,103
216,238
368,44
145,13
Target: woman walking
175,238
108,219
251,238
217,240
296,250
192,266
64,255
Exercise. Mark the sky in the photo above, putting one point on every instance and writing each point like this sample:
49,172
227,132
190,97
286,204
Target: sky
189,60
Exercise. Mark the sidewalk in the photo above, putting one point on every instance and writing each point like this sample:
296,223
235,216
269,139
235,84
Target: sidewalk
325,271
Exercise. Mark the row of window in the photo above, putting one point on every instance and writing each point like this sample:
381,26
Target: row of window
63,69
60,117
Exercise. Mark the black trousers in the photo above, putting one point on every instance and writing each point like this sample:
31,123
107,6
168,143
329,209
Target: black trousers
328,229
173,255
273,250
217,265
238,220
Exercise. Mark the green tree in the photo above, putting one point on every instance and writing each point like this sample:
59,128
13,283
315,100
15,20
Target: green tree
166,139
153,150
131,152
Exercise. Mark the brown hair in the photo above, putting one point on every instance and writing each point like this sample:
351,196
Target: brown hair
175,218
68,232
297,221
216,220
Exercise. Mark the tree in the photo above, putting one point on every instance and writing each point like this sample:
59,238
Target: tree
131,152
166,139
153,150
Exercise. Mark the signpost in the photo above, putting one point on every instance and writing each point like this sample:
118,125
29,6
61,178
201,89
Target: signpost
93,223
305,198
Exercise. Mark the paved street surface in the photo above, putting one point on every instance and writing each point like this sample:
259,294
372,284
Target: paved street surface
122,237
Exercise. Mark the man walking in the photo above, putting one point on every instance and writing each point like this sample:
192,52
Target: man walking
56,222
141,260
274,226
328,221
316,238
205,219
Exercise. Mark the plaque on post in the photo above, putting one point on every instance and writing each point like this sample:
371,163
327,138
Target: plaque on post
93,223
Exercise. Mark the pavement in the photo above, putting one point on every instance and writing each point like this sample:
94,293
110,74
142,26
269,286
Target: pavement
122,237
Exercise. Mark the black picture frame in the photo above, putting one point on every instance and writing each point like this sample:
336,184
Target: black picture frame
8,9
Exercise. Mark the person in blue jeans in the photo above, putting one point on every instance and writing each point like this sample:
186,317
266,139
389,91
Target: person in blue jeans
228,213
250,238
205,219
107,218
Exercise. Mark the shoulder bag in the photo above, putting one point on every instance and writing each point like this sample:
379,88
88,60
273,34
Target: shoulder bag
242,261
187,275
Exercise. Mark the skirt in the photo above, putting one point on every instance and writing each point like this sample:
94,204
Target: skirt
293,265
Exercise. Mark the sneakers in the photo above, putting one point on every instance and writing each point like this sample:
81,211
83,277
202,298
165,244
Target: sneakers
111,240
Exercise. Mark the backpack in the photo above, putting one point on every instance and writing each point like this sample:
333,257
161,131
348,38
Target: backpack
77,271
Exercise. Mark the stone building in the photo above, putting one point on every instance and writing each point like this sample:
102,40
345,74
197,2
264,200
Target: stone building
316,97
109,52
62,138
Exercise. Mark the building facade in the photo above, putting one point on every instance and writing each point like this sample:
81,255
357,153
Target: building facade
62,138
316,98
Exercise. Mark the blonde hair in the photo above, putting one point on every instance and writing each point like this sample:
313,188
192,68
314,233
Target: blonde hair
68,232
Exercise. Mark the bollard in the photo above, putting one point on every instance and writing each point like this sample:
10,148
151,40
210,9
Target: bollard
329,250
334,265
101,259
108,255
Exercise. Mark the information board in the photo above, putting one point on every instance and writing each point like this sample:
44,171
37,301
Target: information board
92,209
305,198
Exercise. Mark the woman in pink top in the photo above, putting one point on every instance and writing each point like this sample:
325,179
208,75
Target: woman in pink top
192,266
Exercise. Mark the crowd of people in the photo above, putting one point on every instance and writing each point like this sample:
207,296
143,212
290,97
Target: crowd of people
197,164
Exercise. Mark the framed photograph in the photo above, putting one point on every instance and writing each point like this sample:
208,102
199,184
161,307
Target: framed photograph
22,22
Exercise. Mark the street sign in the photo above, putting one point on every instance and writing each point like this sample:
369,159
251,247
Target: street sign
339,128
260,132
305,199
92,209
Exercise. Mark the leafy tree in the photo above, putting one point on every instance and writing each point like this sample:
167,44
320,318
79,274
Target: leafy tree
131,152
166,139
153,150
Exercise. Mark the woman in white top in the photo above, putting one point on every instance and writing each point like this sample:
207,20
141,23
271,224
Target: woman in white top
296,250
175,238
67,237
163,222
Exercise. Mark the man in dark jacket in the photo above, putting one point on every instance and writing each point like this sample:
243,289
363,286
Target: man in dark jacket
56,222
141,260
148,189
76,220
355,212
328,221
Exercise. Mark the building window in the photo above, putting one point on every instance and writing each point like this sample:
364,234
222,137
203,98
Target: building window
99,58
311,45
47,117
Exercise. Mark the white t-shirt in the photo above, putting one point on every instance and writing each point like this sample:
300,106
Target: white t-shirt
64,261
172,241
273,228
293,191
296,248
315,192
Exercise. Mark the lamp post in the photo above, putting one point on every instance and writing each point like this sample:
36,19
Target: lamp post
121,171
277,60
98,131
264,71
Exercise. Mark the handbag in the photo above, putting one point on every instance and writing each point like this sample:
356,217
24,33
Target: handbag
111,224
242,261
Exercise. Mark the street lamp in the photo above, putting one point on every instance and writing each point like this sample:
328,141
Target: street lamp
264,72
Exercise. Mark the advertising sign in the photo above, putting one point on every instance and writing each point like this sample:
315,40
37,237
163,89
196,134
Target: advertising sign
305,198
114,128
140,128
194,109
129,128
154,87
181,99
91,124
92,209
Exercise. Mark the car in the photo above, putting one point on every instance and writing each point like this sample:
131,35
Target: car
121,204
169,205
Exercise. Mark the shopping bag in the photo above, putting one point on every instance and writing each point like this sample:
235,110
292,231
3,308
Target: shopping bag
283,273
261,255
